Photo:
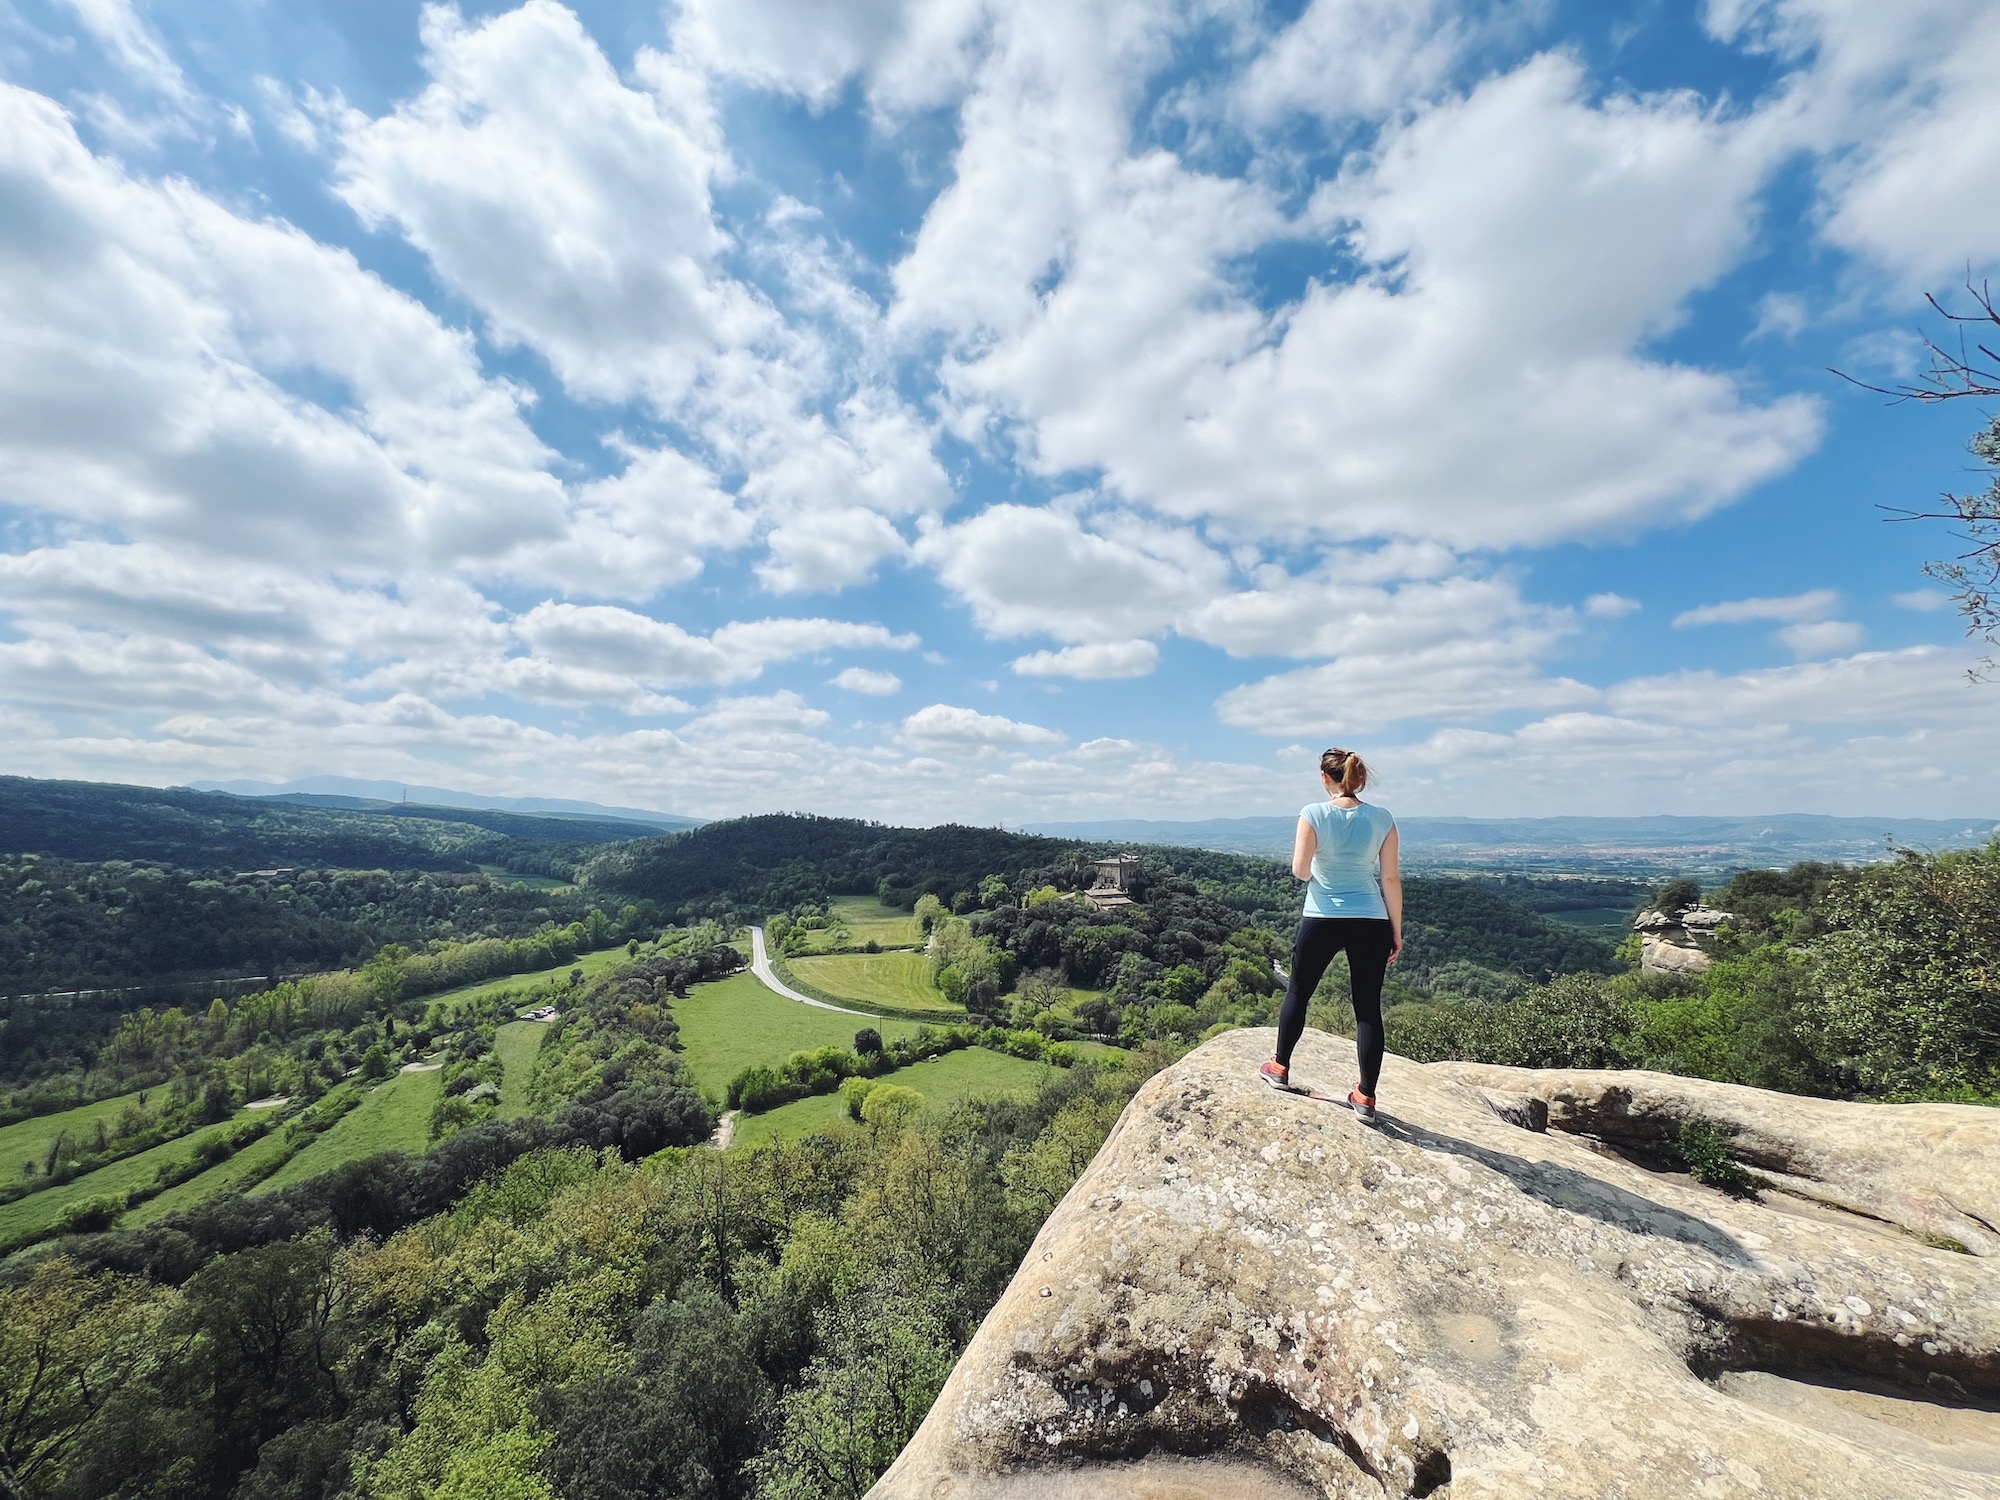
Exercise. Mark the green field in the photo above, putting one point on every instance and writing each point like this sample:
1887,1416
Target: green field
29,1140
730,1024
592,965
245,1166
534,882
896,981
31,1215
1603,918
517,1043
973,1073
396,1116
863,917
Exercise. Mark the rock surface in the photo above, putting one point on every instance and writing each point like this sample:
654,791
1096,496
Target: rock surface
1494,1294
1677,944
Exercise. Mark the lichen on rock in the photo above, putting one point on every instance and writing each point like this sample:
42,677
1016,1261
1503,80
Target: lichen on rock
1508,1289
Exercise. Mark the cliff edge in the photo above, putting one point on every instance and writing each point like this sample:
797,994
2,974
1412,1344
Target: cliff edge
1508,1289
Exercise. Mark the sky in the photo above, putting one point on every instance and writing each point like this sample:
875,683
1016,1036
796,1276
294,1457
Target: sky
998,412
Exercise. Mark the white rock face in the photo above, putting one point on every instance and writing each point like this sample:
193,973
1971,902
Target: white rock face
1250,1293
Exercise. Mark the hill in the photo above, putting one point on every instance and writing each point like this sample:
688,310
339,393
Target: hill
779,860
194,830
353,791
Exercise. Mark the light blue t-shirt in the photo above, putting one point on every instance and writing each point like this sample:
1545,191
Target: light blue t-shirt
1347,865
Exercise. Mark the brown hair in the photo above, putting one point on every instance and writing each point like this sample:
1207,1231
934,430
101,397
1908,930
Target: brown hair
1349,772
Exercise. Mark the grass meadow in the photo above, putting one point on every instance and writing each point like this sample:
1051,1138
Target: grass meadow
245,1166
517,1043
974,1073
896,981
446,1002
864,917
730,1024
396,1116
29,1140
31,1215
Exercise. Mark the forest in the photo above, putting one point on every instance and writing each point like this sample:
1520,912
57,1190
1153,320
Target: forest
211,831
445,1210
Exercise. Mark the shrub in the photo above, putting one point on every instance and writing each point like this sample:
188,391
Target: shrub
1706,1149
756,1088
868,1041
89,1215
889,1104
854,1094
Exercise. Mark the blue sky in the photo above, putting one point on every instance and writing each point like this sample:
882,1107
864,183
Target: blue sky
995,411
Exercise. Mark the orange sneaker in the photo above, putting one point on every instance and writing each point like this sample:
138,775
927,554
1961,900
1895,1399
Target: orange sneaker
1362,1104
1277,1075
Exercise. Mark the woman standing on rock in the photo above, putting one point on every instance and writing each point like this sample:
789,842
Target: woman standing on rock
1346,852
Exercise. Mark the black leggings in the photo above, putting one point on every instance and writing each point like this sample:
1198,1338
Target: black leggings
1367,941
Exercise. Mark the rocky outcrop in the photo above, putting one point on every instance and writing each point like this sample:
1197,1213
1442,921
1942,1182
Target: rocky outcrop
1505,1290
1677,943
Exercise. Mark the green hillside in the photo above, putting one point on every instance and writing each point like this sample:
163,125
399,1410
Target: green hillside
395,1116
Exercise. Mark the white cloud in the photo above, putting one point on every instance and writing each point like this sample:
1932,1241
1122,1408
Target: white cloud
129,41
1034,570
1924,601
164,330
1899,102
913,52
662,654
1103,659
1820,638
1346,59
572,209
1478,384
1610,606
1467,679
1913,686
941,726
865,680
1780,314
1812,605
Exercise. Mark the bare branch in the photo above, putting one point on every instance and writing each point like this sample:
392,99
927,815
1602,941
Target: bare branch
1973,370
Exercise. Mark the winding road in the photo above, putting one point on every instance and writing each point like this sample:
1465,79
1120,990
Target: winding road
760,965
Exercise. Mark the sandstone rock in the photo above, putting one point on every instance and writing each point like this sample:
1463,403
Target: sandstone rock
1677,944
1251,1293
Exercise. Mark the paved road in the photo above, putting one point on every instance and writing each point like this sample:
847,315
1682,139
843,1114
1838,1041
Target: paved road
760,965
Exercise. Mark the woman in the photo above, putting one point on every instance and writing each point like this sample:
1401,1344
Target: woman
1346,852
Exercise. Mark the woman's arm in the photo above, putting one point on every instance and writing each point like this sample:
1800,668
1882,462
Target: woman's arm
1392,890
1305,844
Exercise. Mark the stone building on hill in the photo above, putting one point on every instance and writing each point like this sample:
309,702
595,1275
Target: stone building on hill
1118,878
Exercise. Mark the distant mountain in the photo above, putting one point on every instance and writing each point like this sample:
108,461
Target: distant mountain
372,796
1642,845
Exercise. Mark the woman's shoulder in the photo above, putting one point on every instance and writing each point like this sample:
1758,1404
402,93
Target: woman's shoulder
1381,815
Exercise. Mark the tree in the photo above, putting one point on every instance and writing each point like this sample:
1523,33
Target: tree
375,1063
1676,896
1972,369
69,1342
885,1358
682,1423
384,973
868,1042
1910,977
